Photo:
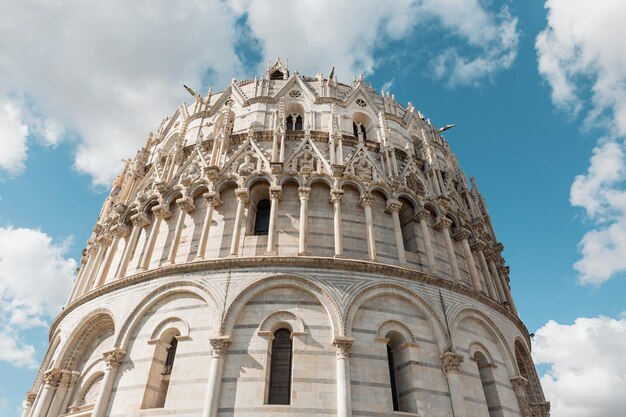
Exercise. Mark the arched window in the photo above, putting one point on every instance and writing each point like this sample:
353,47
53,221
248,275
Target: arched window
262,219
159,377
294,122
407,224
489,385
393,381
400,373
280,368
277,75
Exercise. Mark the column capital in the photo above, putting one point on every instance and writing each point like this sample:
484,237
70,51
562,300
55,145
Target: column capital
451,361
212,197
119,230
276,193
113,358
53,377
477,245
342,346
140,220
366,199
490,255
161,212
462,234
336,194
219,345
423,214
92,249
393,206
105,239
444,223
30,398
304,193
243,195
186,204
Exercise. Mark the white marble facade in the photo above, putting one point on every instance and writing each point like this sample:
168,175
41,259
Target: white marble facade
374,247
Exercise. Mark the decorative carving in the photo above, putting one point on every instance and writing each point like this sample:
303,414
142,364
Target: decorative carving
113,358
267,324
276,193
295,93
243,195
30,399
366,200
53,377
247,166
423,214
304,193
451,361
140,220
393,206
360,102
186,204
219,346
519,386
363,169
444,223
342,346
336,195
119,230
161,212
462,234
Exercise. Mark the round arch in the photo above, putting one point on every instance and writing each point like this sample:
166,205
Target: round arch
376,290
469,312
281,281
135,317
89,327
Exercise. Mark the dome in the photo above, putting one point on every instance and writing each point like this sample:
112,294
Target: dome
295,246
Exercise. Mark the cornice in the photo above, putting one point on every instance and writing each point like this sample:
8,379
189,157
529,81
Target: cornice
296,262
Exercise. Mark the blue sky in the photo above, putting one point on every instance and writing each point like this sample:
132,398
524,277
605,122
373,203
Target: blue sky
536,90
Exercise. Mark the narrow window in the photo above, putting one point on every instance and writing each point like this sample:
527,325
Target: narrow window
262,220
392,379
489,385
159,376
298,123
277,75
280,368
171,353
289,122
355,129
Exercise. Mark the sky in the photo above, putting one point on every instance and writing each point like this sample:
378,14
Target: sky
537,90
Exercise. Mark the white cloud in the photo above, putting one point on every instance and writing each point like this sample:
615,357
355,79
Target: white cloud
587,374
583,60
35,280
13,133
110,71
345,34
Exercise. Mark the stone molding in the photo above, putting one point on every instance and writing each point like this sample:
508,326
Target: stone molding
298,263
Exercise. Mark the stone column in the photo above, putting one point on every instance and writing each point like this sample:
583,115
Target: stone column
140,221
504,273
366,202
393,207
28,402
112,359
275,195
422,217
451,363
479,246
186,206
83,285
243,198
119,231
105,241
462,236
79,277
335,197
304,193
491,258
51,380
160,213
212,201
72,384
444,226
219,345
61,393
519,387
344,402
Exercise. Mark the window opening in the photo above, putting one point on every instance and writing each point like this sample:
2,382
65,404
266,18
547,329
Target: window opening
280,368
262,220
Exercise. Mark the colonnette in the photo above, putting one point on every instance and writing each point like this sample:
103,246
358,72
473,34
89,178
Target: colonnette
291,246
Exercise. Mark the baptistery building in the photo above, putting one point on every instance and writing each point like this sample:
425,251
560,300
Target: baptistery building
291,246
